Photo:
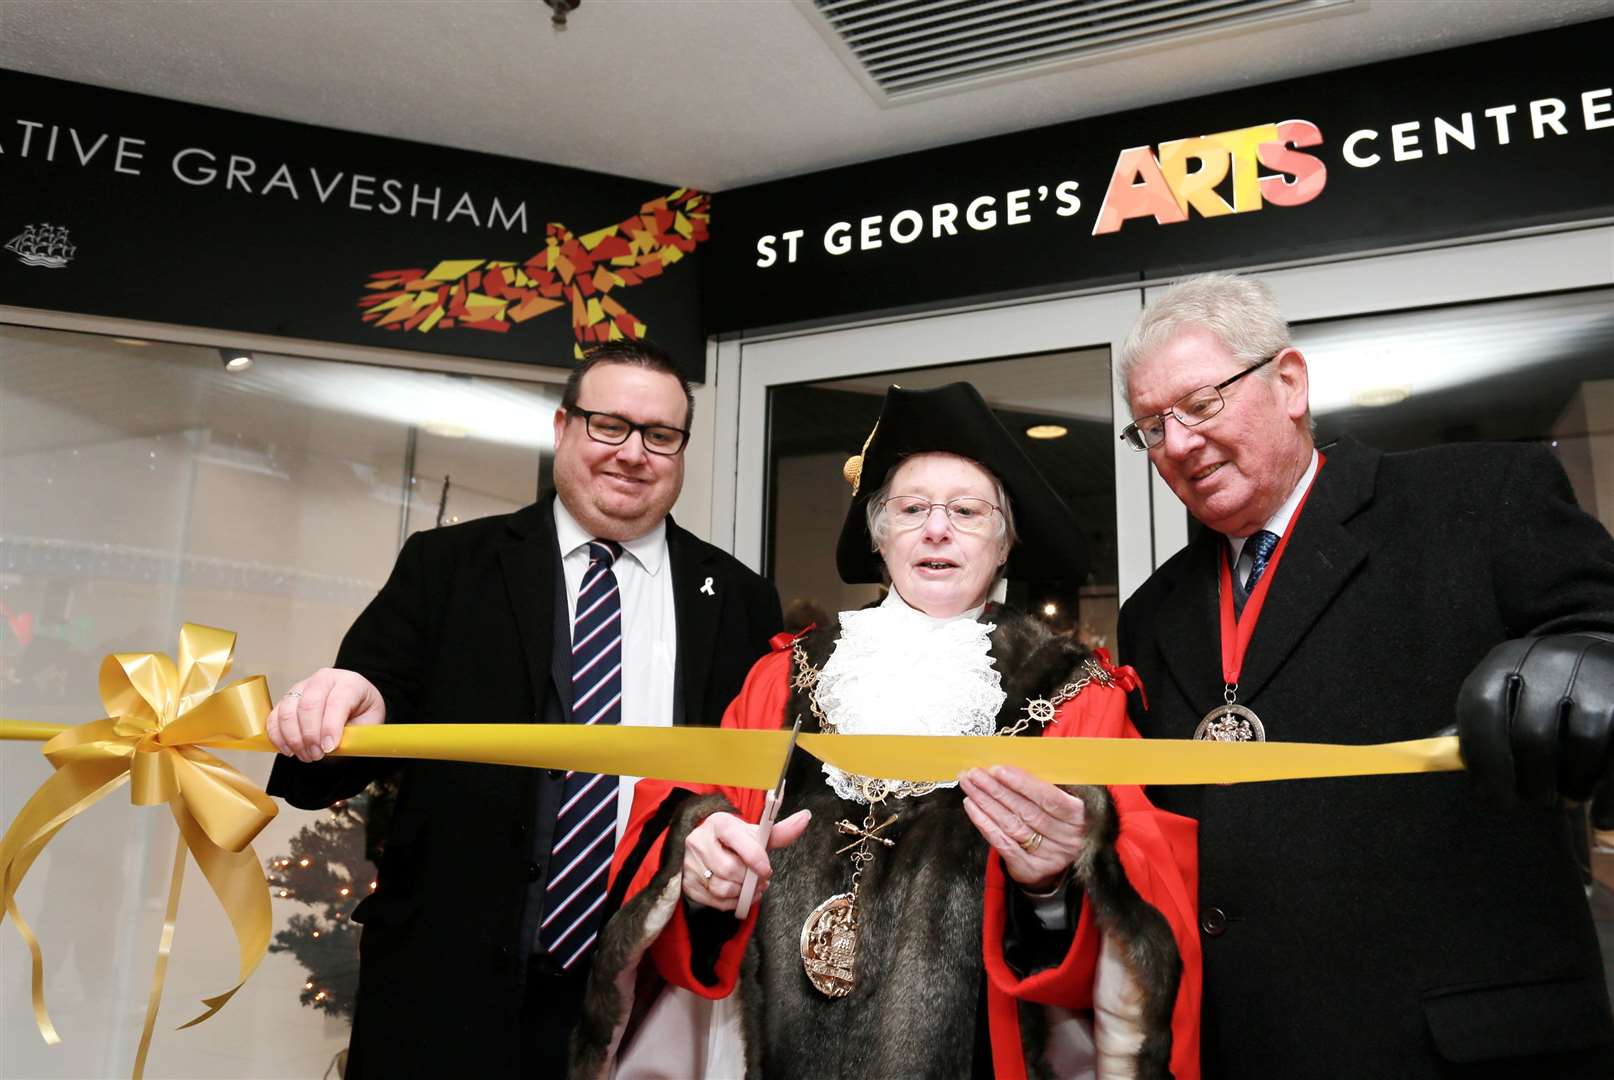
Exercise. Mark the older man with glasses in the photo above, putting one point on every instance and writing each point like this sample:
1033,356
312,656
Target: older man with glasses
591,606
1372,926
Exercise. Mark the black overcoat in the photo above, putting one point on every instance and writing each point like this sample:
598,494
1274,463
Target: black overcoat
462,632
1385,926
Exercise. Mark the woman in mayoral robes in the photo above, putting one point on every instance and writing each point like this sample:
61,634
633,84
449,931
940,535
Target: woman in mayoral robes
993,926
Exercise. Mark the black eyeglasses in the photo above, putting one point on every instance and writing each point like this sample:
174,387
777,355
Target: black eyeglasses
1190,410
613,430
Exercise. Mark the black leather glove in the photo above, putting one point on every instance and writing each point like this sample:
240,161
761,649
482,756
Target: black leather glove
1535,719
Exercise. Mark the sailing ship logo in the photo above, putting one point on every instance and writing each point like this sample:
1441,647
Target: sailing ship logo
44,245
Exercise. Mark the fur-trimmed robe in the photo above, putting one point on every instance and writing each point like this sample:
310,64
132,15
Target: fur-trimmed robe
1122,1000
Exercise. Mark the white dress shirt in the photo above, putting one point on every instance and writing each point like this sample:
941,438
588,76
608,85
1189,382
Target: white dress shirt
1277,524
649,627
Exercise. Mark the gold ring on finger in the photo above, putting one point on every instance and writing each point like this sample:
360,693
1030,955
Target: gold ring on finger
1032,842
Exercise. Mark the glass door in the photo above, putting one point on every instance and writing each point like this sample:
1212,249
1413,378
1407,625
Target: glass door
807,402
1505,341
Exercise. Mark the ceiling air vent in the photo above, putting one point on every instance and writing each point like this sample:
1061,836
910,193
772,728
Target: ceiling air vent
907,49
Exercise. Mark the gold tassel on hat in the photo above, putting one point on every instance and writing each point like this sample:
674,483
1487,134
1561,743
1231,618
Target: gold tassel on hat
853,469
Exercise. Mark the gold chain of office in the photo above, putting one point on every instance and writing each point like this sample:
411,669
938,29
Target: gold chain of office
871,790
832,931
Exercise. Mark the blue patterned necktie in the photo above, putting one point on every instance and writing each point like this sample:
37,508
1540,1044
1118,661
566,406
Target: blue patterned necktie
1260,546
585,828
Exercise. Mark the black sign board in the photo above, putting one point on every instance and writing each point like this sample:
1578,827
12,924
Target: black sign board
1507,134
123,205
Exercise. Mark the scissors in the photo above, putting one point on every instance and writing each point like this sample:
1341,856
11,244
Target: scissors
770,813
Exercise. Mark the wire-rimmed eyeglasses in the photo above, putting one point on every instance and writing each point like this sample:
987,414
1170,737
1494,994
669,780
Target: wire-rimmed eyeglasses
1190,410
905,512
613,430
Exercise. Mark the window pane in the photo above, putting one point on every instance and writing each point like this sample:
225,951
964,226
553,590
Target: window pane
1537,369
144,486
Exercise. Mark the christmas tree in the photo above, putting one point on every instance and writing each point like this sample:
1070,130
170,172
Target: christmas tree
330,869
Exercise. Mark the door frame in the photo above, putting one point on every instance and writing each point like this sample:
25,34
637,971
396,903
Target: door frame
1151,523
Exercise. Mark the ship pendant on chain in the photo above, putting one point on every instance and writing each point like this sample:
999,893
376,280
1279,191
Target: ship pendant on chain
829,935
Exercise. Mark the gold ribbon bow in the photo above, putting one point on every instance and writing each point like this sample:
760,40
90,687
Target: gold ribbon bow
159,715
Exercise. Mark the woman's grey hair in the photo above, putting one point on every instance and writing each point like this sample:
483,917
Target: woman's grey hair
874,509
1240,311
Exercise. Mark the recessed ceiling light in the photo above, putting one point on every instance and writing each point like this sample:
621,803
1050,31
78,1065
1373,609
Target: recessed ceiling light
446,429
235,360
1375,397
1047,431
131,341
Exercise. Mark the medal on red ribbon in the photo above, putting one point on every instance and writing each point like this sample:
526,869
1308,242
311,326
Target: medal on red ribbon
1230,721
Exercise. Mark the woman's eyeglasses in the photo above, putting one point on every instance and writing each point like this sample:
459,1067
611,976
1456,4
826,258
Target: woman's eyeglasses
910,512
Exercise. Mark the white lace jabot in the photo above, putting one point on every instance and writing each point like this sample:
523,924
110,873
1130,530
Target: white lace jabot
898,671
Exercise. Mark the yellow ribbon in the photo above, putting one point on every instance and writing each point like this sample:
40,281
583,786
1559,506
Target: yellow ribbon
751,758
1129,761
159,716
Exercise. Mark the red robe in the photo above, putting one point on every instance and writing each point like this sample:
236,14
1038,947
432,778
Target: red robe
1157,850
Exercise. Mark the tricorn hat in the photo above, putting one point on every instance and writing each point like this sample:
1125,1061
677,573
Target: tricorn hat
953,419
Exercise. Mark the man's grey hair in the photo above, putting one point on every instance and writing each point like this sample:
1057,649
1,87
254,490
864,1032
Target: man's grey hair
1240,311
874,509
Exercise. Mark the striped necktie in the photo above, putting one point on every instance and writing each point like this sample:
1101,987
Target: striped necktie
585,829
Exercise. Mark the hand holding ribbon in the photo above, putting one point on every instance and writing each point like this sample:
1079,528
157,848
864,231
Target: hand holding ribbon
159,716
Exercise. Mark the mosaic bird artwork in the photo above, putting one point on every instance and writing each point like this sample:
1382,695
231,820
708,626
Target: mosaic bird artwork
579,273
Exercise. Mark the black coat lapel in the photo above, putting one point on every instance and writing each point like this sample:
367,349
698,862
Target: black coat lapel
1186,628
528,560
1320,558
698,601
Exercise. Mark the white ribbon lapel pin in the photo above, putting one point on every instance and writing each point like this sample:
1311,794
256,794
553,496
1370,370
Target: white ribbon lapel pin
707,588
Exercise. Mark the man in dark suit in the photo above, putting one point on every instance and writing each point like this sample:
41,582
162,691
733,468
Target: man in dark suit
1387,926
589,607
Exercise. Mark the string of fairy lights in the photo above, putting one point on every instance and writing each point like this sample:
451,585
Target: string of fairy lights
329,871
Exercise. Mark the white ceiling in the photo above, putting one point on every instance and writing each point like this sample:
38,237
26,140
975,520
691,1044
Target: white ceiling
710,93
